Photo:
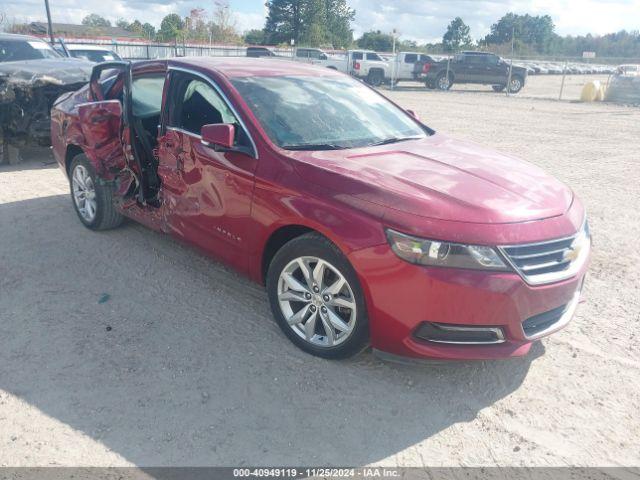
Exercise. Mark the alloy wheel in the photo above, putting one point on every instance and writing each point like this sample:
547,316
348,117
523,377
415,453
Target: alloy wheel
84,193
317,301
515,84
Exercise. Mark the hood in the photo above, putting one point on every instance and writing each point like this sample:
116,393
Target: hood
440,178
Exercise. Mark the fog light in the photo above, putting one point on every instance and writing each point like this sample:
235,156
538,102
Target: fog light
459,334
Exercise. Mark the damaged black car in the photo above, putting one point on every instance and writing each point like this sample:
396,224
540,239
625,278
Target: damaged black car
32,76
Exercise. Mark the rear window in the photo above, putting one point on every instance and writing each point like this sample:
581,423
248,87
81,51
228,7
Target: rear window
410,58
356,55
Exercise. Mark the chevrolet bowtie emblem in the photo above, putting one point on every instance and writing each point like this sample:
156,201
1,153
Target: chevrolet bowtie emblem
573,253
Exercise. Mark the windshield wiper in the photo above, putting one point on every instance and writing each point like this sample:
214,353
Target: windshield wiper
318,146
387,141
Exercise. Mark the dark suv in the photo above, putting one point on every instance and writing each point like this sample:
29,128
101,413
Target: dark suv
472,67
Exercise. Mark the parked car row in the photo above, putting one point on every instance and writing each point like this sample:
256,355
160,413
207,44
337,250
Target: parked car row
435,71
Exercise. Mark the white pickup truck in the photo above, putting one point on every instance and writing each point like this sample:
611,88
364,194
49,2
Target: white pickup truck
365,64
403,65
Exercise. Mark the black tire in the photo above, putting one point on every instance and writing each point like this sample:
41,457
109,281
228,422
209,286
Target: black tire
106,216
498,88
442,84
315,245
517,82
375,78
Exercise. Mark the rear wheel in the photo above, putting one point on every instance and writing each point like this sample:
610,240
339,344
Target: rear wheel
444,82
316,298
375,78
92,199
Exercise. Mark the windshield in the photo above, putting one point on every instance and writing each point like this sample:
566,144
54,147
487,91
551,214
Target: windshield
328,112
13,51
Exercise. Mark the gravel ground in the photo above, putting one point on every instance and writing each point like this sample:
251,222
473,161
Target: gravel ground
126,348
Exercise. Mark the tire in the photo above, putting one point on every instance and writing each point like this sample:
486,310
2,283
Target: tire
85,184
443,83
375,78
498,88
517,82
290,294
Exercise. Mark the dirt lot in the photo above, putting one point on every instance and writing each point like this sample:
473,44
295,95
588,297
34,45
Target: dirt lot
125,347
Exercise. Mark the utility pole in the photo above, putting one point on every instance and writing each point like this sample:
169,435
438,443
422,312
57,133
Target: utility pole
393,63
513,42
46,4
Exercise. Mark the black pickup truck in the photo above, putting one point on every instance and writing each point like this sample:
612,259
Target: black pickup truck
471,67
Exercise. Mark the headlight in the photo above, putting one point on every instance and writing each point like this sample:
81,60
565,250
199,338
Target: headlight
444,254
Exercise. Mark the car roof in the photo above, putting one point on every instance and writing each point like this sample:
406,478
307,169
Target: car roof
234,67
18,38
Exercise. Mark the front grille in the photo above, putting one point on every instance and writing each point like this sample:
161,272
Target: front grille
550,261
544,321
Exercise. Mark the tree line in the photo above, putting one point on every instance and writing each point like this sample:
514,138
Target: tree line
327,23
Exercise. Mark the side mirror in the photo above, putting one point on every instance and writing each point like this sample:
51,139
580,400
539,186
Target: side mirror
413,114
218,134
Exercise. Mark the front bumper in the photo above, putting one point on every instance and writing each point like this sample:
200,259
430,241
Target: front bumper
401,297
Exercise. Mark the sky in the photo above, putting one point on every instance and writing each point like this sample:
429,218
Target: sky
419,20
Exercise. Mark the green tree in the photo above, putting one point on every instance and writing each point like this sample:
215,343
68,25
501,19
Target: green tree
254,37
376,40
537,32
309,22
284,21
171,27
122,23
457,35
148,30
338,23
94,20
136,27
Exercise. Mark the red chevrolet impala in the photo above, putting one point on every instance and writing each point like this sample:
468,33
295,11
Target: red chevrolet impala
366,226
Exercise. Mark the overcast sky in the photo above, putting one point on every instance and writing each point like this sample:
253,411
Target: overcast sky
420,20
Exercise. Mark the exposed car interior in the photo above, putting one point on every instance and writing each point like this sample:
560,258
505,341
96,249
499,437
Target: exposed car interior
201,105
146,99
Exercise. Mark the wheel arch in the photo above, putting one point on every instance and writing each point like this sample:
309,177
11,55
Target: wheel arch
276,240
71,152
377,70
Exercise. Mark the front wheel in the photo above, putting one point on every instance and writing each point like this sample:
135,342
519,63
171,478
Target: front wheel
92,199
316,298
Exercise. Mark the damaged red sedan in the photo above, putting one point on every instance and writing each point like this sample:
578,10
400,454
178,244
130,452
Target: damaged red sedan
366,226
